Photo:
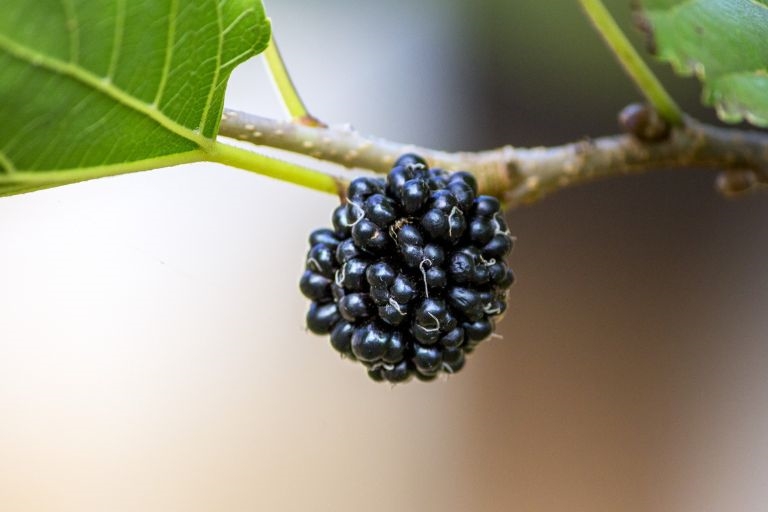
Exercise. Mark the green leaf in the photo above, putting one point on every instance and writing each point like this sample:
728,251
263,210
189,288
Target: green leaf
724,43
92,88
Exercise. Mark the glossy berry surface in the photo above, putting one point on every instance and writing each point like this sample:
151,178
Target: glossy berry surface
412,276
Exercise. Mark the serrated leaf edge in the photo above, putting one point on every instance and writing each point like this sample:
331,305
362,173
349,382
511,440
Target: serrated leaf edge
693,67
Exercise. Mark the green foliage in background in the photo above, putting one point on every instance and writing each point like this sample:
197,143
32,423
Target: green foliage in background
92,88
724,43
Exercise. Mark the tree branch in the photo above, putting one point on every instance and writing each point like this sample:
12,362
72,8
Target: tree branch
524,175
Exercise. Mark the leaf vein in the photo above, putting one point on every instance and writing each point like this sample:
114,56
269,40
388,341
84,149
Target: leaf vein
168,52
237,20
6,164
23,131
102,85
73,30
63,176
236,59
117,41
219,50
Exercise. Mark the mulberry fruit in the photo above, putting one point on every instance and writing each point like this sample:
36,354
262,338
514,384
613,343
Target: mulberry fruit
412,275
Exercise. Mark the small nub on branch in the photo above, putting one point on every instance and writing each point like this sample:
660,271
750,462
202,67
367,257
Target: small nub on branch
736,182
642,121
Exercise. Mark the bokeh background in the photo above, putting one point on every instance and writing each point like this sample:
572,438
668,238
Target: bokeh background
152,349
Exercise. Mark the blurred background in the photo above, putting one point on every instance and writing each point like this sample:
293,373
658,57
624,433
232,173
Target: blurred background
152,349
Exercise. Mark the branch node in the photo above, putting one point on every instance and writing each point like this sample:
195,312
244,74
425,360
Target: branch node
644,123
735,183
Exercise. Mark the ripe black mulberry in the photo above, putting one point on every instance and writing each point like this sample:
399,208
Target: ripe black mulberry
413,275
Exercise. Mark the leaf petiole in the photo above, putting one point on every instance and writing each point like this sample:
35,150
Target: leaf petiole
234,156
635,67
285,87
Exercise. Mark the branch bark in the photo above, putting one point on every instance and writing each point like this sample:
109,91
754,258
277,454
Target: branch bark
524,175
